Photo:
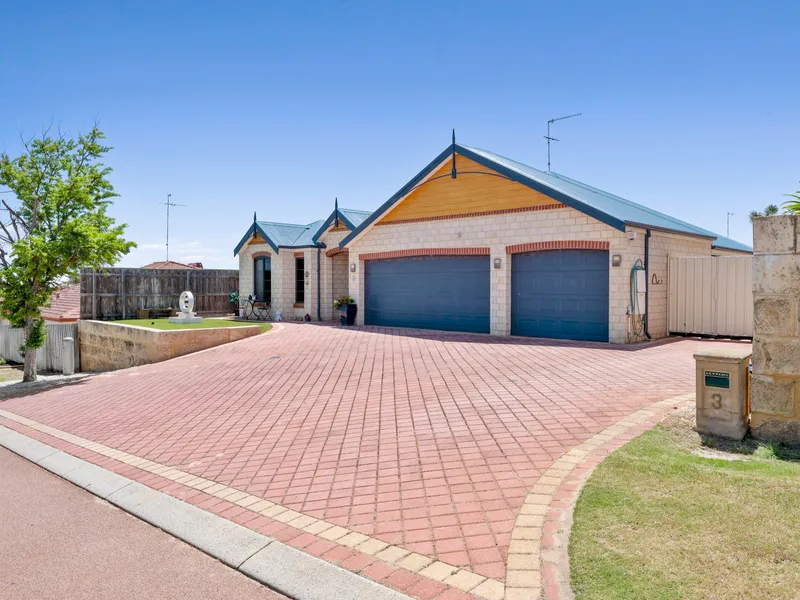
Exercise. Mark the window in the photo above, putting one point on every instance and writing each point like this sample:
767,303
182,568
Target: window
262,279
299,280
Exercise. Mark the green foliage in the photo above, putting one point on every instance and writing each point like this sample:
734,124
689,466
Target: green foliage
793,206
53,223
234,298
343,302
770,211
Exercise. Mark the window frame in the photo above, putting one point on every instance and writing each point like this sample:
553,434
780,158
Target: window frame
299,279
266,270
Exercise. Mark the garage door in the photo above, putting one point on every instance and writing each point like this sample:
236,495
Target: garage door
430,292
560,294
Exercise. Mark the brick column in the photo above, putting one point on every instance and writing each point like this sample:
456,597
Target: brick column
500,286
775,393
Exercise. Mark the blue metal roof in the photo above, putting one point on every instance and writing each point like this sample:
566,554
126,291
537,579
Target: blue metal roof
291,235
729,244
608,208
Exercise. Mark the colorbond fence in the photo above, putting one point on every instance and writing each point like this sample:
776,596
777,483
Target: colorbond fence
711,295
50,356
118,293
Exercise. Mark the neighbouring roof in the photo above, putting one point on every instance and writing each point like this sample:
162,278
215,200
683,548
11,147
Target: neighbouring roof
608,208
171,264
65,305
289,235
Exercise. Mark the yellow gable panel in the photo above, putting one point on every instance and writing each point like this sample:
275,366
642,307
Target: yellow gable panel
257,239
469,193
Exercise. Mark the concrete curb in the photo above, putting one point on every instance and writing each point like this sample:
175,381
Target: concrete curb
274,564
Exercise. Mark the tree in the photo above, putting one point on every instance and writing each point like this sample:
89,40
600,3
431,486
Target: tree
770,211
52,224
793,206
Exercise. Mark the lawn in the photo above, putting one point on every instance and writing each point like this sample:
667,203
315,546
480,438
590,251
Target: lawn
206,324
671,515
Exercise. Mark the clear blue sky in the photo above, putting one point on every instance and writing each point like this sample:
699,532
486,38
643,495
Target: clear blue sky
689,108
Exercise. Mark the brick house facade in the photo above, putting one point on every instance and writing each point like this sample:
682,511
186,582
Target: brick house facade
482,212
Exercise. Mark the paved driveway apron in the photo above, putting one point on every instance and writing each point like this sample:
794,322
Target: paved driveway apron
423,440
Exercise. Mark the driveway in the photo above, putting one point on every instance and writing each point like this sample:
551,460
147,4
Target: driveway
425,441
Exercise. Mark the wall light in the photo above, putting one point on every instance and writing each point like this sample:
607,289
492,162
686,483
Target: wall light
498,263
616,260
352,267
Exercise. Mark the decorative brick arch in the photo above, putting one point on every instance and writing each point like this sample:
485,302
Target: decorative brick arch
335,251
260,254
425,252
557,245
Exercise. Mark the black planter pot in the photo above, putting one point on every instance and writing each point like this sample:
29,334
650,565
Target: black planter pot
352,309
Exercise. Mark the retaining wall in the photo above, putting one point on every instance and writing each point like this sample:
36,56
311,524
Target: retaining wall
108,346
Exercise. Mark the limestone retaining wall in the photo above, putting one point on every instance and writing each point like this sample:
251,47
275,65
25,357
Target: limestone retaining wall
775,390
108,346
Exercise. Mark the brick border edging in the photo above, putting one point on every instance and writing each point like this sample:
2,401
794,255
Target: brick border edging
538,563
413,574
268,561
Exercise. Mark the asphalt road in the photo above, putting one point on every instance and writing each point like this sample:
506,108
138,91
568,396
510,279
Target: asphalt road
58,541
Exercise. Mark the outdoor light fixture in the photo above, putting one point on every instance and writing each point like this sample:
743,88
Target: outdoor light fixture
616,260
497,263
352,267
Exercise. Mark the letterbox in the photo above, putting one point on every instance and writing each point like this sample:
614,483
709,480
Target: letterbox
723,391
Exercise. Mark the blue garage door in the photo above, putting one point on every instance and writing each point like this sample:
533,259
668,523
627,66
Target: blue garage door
560,294
450,293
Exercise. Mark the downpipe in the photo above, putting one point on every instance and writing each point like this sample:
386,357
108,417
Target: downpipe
647,284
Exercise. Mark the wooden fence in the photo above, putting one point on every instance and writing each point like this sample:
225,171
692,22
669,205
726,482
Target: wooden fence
118,293
50,356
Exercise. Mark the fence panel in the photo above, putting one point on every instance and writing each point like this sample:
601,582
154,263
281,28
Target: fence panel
711,295
50,356
118,293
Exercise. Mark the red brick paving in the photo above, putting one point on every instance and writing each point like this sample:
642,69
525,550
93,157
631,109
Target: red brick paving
422,439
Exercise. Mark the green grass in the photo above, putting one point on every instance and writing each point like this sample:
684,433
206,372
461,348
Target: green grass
165,325
665,517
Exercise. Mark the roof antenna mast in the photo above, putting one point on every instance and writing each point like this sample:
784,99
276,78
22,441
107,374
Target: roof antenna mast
169,203
549,138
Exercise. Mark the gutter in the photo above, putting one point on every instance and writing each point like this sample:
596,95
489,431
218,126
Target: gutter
647,284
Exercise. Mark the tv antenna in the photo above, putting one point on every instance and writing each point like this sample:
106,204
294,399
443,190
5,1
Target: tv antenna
728,232
169,203
549,138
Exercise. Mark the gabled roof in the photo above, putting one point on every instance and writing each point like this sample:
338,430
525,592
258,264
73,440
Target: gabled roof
607,208
351,218
290,235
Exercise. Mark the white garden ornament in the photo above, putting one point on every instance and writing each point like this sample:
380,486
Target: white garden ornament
186,304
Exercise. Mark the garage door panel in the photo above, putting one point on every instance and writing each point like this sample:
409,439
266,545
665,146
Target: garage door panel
560,294
450,293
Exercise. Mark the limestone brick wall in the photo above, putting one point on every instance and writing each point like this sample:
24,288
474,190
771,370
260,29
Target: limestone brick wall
775,391
662,246
497,232
108,346
246,268
334,282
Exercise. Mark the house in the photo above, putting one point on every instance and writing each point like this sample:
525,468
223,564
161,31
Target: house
171,264
65,305
481,243
286,264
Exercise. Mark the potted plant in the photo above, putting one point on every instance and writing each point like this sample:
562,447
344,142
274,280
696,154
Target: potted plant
347,310
234,298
